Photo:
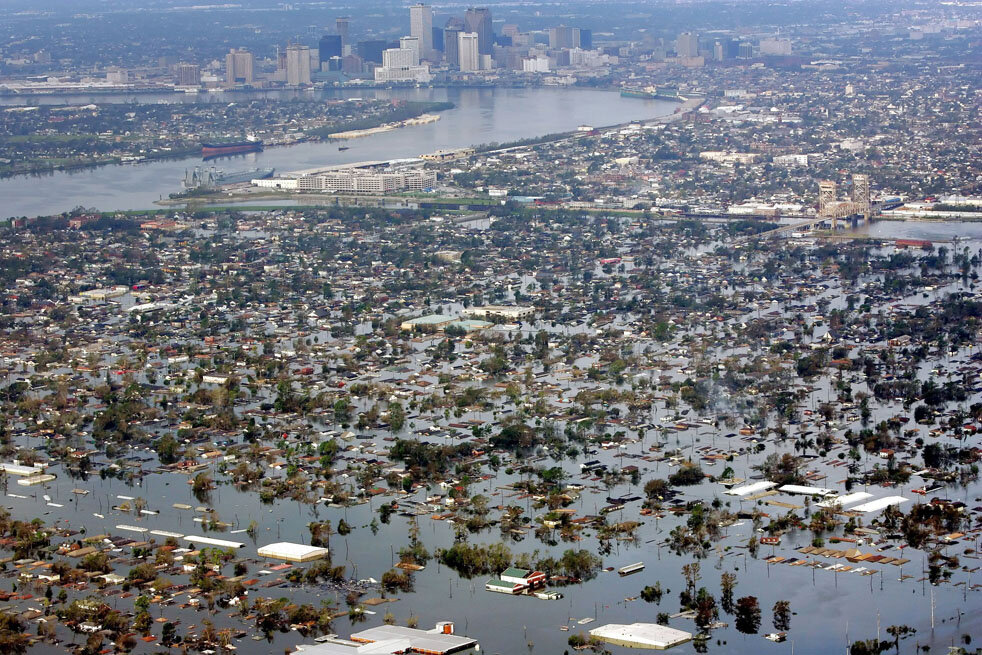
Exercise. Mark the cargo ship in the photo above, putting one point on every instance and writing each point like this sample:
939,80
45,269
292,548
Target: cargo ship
652,93
205,178
231,147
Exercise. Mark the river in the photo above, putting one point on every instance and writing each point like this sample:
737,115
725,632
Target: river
480,116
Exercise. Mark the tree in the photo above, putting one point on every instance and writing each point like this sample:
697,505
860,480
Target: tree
168,449
898,632
748,615
727,583
706,611
782,616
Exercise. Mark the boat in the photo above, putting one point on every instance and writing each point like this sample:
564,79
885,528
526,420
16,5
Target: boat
630,568
647,94
230,147
342,148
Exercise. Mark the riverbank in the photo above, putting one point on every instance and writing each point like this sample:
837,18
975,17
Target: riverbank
409,122
408,114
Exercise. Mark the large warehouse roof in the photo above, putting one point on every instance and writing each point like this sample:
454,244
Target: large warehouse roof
641,635
292,552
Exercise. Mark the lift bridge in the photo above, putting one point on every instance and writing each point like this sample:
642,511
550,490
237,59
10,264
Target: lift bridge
831,209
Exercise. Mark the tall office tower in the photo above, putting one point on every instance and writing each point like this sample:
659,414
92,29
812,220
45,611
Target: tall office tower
188,74
564,37
239,65
478,21
468,52
451,43
297,65
586,38
412,44
687,45
329,46
371,50
437,41
745,50
342,25
725,49
421,27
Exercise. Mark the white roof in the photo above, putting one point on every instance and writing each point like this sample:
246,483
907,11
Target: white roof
753,487
803,489
879,504
208,541
651,635
843,501
293,552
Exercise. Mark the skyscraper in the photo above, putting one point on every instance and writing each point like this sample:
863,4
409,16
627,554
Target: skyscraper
478,21
468,52
342,24
188,74
330,45
297,65
687,45
371,50
412,44
564,37
586,38
451,45
421,27
239,65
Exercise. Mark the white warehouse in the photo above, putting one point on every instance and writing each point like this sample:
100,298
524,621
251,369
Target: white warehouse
355,180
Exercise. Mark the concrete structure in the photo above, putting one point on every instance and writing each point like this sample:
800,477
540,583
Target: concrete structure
539,64
412,44
329,47
343,24
214,543
478,21
845,501
421,27
297,65
355,180
239,65
753,487
687,45
775,46
879,504
641,635
468,52
804,490
451,46
292,552
391,639
564,37
402,64
432,321
188,74
510,312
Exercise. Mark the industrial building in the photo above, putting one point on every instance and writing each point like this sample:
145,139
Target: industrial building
510,312
292,552
391,639
354,179
641,635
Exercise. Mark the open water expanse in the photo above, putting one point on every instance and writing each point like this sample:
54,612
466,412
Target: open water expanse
828,606
480,116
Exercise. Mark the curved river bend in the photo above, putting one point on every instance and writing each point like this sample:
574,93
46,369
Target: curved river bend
480,116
